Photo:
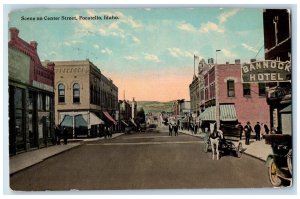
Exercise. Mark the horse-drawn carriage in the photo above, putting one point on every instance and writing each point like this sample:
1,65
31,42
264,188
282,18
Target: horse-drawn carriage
229,143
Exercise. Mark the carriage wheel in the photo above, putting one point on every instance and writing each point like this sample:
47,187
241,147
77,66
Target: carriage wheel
274,179
289,160
239,150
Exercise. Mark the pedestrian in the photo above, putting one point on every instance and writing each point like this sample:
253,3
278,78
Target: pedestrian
196,128
170,129
248,130
57,132
267,130
240,127
176,129
257,131
65,135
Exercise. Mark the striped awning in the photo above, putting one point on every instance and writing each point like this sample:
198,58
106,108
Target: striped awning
227,112
209,114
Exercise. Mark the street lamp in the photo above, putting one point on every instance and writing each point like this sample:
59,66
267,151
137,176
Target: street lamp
217,55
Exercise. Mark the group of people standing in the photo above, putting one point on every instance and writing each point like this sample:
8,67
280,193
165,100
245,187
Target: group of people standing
173,127
248,130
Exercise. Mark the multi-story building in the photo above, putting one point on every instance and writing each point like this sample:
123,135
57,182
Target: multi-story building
194,95
277,41
31,110
84,98
226,100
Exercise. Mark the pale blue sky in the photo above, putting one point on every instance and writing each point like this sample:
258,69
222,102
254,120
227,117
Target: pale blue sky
146,45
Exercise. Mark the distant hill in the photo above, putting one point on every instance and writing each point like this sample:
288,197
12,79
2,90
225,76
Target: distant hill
155,106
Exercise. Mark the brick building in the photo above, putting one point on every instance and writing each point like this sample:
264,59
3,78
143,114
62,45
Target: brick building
278,41
226,100
31,110
85,99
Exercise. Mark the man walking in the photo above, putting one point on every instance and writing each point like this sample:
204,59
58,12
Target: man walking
170,129
257,131
248,130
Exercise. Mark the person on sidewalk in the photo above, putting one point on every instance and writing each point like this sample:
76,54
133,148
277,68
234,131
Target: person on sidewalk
257,131
57,132
170,129
175,127
241,128
267,130
65,135
248,130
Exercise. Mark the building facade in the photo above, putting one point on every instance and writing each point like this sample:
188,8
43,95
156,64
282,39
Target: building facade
85,100
31,97
277,41
226,100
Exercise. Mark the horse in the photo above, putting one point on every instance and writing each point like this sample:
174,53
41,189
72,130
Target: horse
215,137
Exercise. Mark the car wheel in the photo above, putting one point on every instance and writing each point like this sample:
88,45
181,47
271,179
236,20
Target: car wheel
273,175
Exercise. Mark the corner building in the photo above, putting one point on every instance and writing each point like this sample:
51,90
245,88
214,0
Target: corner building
85,100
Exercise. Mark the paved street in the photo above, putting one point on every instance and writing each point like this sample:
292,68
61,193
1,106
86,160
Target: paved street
151,160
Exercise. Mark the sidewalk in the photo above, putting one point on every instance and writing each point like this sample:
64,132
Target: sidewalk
23,160
257,149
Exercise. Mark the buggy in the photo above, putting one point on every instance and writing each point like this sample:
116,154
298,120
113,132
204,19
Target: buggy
229,144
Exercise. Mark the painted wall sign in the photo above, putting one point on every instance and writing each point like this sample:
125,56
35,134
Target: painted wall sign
266,71
18,65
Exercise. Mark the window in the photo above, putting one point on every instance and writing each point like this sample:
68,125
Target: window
262,89
246,89
61,93
76,93
230,88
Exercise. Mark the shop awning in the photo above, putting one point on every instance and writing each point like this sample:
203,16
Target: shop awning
67,121
209,114
94,120
124,123
227,112
287,109
81,120
109,117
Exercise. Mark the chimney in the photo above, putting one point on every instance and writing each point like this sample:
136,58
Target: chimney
34,44
237,61
14,33
252,60
50,65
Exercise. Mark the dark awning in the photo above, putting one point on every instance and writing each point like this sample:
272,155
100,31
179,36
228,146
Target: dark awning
109,117
287,109
227,112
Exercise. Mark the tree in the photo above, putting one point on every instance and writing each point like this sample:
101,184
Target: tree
141,115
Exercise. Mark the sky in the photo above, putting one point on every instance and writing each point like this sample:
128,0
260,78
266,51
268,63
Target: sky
147,52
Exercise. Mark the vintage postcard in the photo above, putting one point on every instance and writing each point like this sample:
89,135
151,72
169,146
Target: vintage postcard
150,98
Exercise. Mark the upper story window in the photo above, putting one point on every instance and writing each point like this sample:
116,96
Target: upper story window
76,93
262,89
230,88
246,89
61,93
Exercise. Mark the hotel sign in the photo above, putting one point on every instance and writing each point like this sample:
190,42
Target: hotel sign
266,71
42,86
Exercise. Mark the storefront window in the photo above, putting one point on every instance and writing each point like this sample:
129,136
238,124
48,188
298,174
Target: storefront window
19,119
48,103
